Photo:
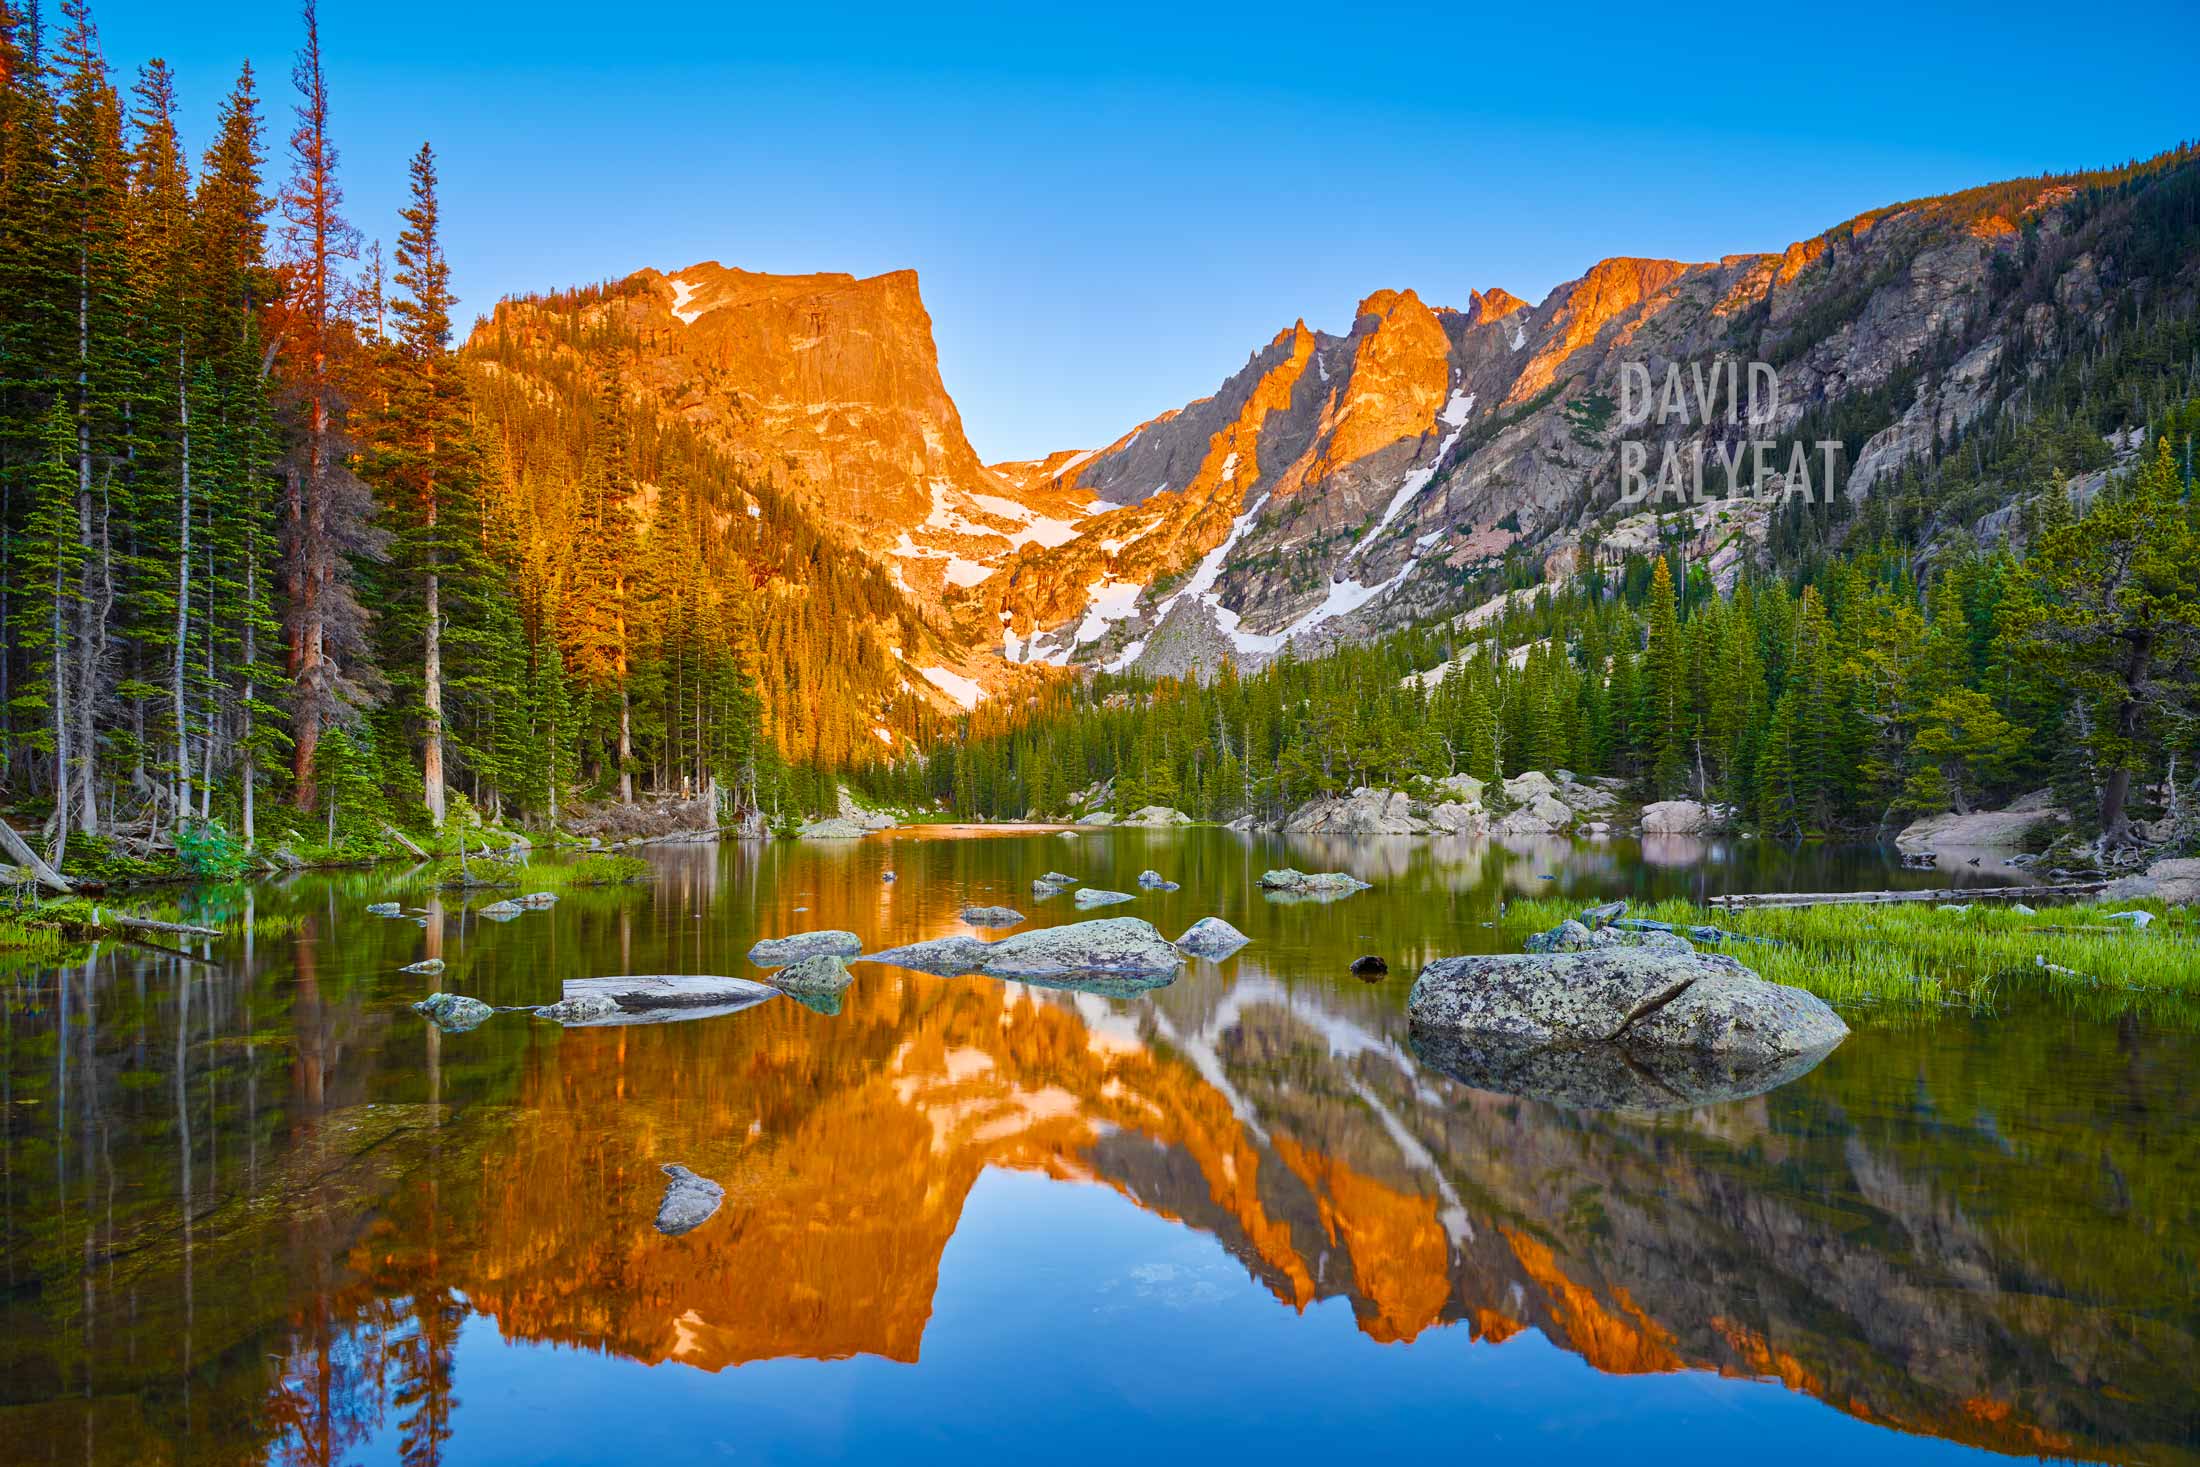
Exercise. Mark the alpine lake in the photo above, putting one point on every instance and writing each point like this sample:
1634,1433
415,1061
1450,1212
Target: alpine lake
255,1208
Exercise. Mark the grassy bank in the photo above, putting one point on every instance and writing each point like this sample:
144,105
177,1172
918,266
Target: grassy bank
1916,956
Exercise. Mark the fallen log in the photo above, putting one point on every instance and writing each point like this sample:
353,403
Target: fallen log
659,998
147,924
402,839
20,850
1750,900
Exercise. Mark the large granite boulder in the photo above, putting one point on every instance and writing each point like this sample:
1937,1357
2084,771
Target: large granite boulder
833,827
1154,817
1106,947
992,916
1544,813
1677,817
1644,998
1093,896
2025,825
582,1008
778,952
944,957
1363,812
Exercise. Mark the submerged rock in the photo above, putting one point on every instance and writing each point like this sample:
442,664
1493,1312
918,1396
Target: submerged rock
992,916
1155,881
1370,968
1091,896
384,909
1212,938
454,1012
778,952
689,1201
1055,878
1646,998
499,911
886,876
538,900
1321,884
425,965
581,1009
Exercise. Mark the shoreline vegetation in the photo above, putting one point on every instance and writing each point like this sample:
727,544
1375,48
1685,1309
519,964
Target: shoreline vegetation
1865,956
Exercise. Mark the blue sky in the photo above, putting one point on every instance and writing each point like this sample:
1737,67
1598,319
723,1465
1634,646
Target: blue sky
1110,207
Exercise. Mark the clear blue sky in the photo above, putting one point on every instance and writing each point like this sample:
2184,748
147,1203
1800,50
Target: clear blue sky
1110,206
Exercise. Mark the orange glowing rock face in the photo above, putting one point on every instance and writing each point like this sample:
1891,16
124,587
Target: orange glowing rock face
1612,289
1401,374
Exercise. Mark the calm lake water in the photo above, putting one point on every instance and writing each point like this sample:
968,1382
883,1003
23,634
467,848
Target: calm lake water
256,1209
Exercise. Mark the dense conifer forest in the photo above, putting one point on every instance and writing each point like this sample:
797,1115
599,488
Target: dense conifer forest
268,560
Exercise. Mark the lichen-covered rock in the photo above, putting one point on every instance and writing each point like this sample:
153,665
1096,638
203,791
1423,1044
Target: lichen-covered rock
1568,936
1212,938
689,1201
1117,945
500,911
2024,825
586,1008
1288,882
1155,881
834,827
944,957
778,952
425,965
1542,813
1362,812
1092,896
992,916
1154,817
1526,787
813,977
1643,996
453,1012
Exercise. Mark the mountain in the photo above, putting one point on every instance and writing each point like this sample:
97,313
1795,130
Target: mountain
1344,485
1341,485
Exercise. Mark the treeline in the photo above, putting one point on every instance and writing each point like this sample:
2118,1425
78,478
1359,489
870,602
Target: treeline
266,563
1838,695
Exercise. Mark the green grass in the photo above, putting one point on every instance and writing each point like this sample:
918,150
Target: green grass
1912,955
600,869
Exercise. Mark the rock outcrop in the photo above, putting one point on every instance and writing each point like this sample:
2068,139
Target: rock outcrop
992,916
1321,885
2025,825
1155,817
1126,948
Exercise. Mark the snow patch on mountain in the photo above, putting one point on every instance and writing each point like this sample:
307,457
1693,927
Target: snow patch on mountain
963,690
682,293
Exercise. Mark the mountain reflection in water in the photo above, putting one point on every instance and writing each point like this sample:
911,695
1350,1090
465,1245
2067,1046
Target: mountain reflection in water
250,1207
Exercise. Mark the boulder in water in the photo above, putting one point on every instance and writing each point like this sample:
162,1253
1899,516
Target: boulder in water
1212,938
1320,885
499,911
384,909
992,916
779,952
1646,998
689,1201
1370,968
538,900
1092,896
585,1008
1155,881
943,956
454,1012
1117,945
823,974
425,965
